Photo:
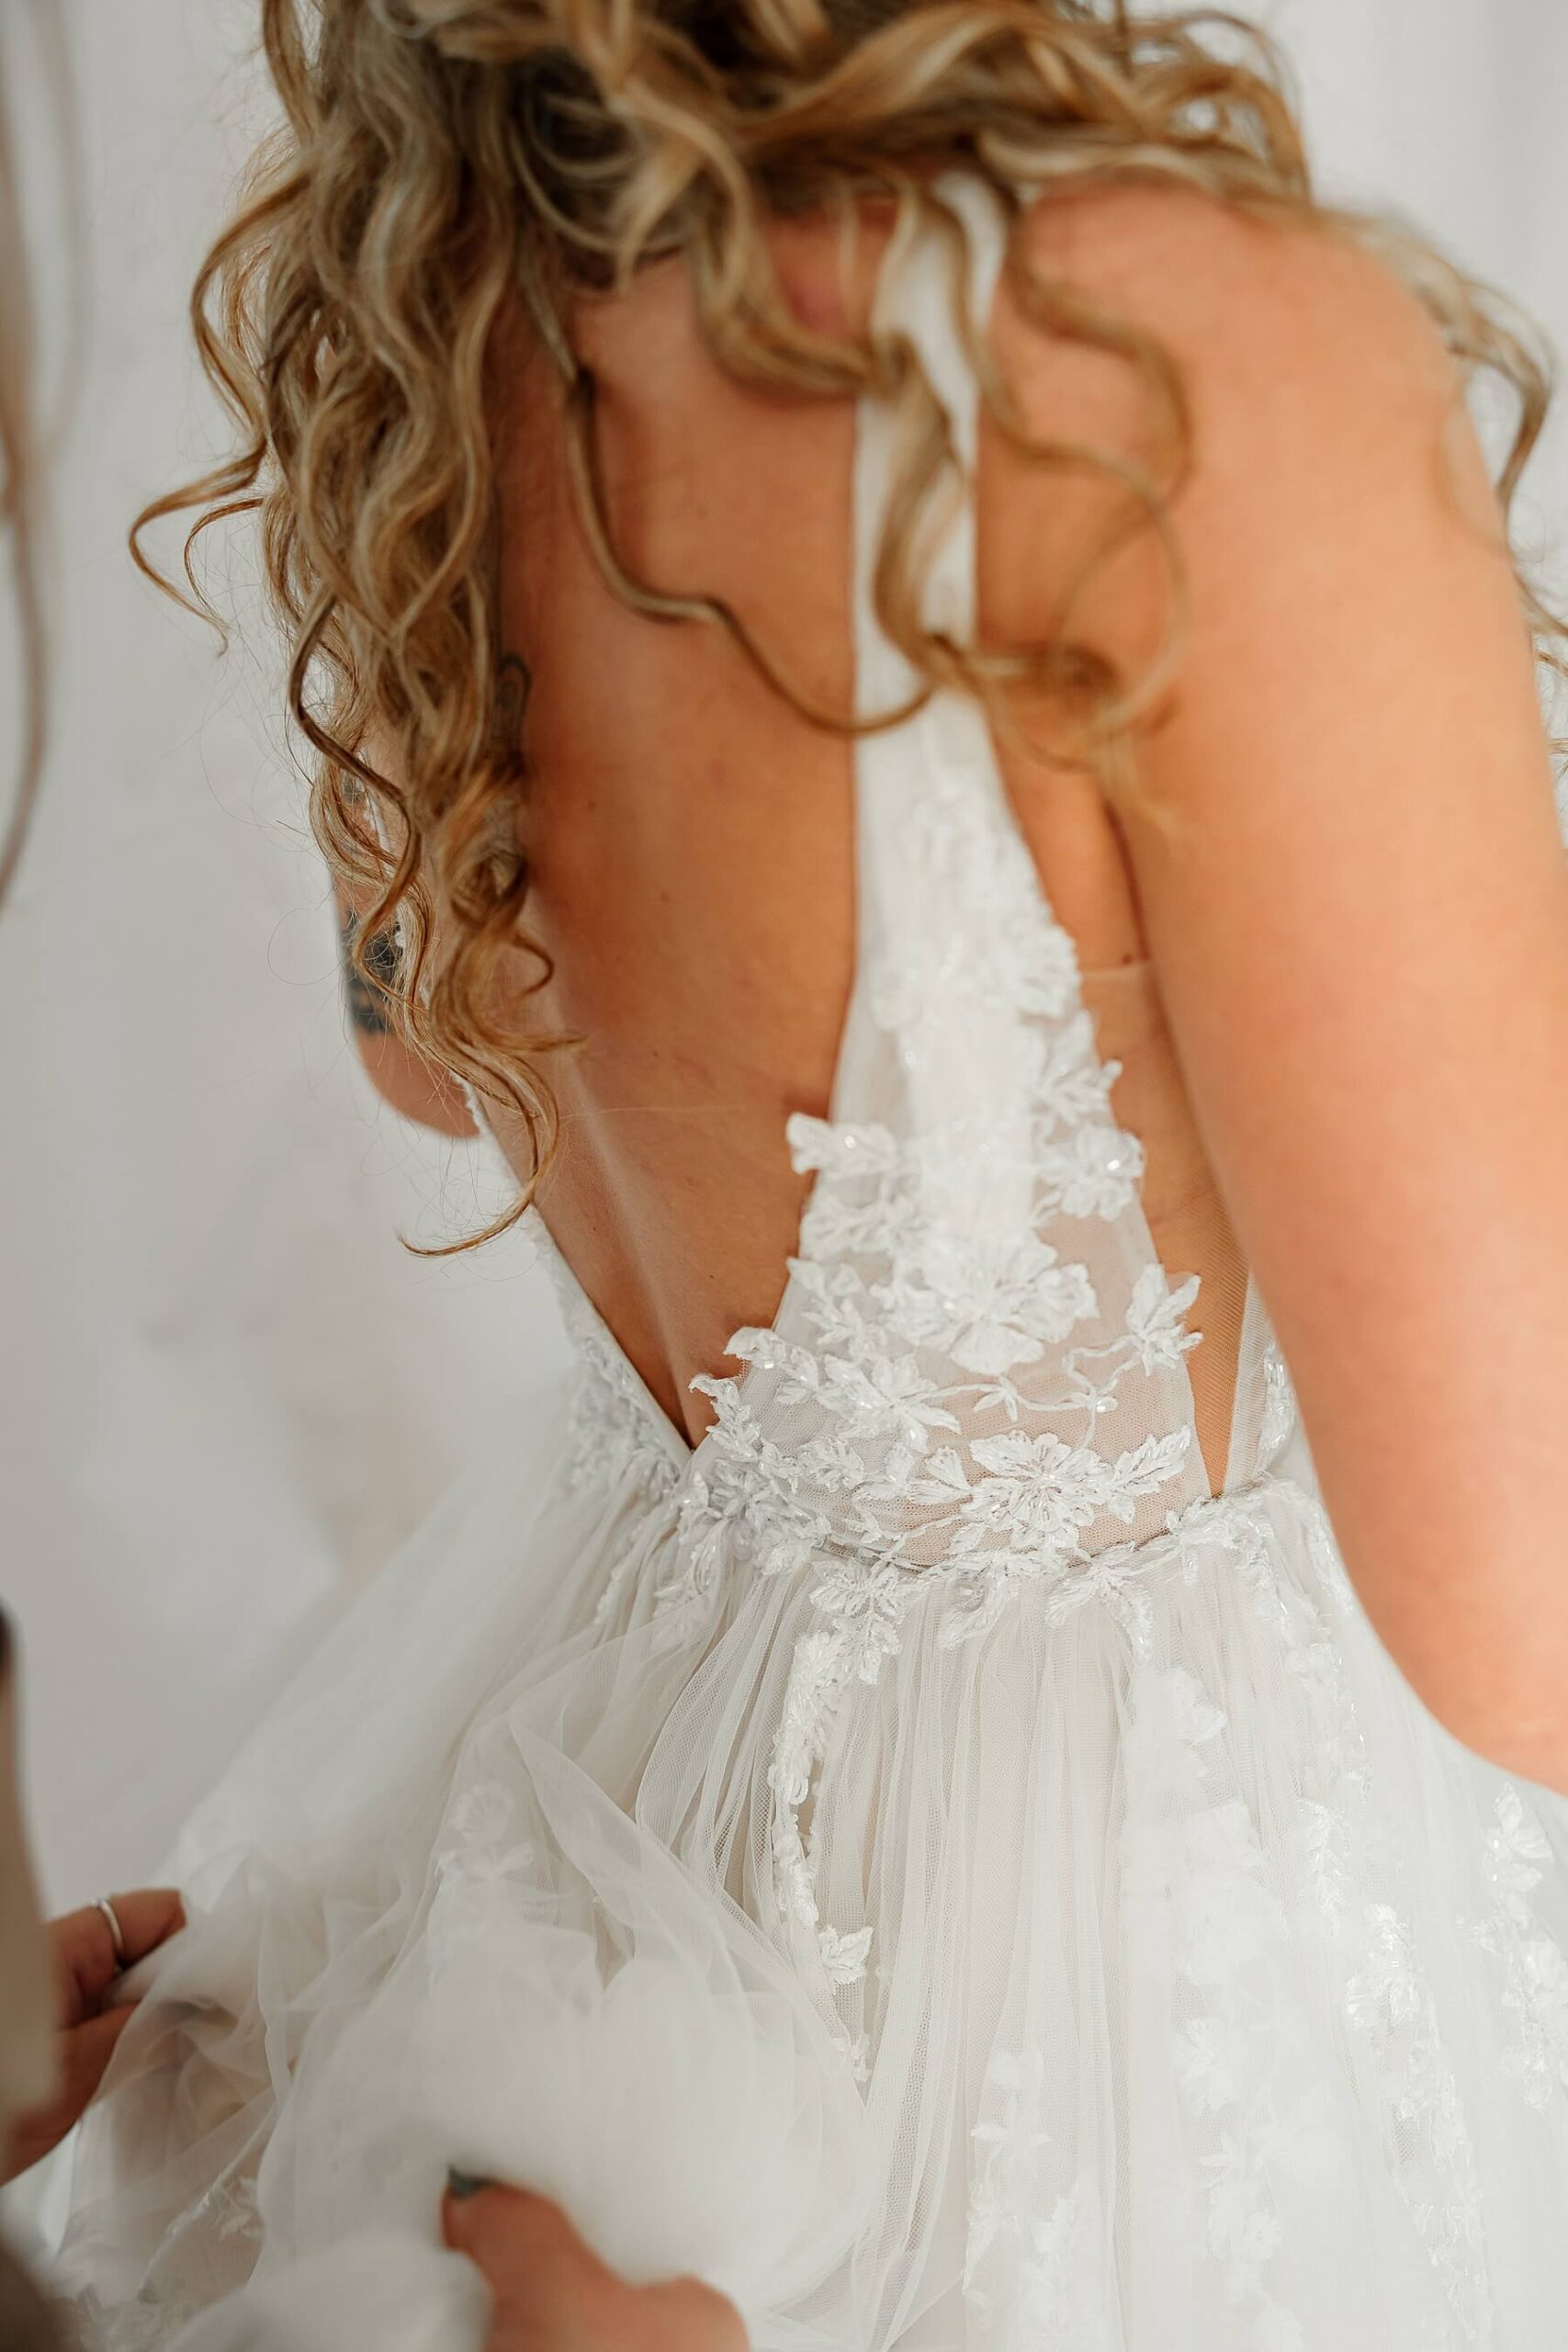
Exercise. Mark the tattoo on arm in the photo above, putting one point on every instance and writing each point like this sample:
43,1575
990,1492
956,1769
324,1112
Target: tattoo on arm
370,998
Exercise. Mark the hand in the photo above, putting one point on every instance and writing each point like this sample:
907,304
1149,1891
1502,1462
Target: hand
85,1969
553,2295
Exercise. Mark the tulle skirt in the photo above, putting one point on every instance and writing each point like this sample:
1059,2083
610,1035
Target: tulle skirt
1128,1965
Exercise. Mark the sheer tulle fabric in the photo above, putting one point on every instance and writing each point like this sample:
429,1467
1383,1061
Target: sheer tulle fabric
921,1860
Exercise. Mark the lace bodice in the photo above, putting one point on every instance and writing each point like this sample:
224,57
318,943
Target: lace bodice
978,1369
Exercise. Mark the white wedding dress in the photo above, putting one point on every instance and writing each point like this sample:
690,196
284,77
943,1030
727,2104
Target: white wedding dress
918,1859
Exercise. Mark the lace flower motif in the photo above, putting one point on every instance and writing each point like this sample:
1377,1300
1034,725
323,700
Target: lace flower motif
1035,2260
1534,1968
1196,1884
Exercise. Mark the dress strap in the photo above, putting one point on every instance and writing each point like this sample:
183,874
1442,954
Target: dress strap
929,282
940,864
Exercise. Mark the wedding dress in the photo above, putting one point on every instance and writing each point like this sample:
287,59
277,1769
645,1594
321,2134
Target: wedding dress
920,1858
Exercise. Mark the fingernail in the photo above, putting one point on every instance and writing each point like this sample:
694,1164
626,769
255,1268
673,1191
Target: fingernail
464,2184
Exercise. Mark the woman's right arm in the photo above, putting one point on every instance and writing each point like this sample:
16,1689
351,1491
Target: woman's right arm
1361,921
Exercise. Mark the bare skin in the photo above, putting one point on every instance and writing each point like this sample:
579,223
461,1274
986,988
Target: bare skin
90,2023
1339,988
553,2295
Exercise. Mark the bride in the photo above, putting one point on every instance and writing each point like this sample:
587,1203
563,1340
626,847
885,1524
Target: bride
922,708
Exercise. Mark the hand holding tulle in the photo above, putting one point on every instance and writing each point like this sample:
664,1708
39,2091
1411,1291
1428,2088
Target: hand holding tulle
552,2294
88,2026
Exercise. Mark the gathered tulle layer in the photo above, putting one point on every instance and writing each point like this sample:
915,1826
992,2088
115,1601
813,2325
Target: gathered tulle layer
1135,1965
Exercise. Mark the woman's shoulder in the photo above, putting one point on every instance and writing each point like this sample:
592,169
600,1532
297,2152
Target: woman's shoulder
1270,393
1285,299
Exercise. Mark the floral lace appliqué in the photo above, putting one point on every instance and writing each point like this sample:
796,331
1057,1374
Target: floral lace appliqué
613,1433
1534,1967
1196,1886
1036,2259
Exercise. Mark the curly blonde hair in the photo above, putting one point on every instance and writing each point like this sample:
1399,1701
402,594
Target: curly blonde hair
441,158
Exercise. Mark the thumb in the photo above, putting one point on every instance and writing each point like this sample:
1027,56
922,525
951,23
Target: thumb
505,2229
551,2288
546,2283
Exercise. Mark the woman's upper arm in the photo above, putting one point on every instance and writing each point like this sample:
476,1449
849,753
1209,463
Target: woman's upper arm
403,1077
1360,925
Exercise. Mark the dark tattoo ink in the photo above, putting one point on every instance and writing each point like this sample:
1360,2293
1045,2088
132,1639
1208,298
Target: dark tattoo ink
369,992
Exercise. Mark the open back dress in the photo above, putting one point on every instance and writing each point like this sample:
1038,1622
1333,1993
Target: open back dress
922,1859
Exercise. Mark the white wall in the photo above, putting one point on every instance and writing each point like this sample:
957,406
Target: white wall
226,1389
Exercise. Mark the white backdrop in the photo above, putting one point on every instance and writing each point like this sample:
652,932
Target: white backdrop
227,1389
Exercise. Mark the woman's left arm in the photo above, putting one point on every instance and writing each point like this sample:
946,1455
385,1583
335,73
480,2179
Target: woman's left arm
419,1088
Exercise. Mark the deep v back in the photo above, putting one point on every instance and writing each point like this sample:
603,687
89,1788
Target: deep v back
981,1293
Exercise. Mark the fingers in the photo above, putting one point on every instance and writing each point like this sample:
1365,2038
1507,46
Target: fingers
687,2316
83,1943
82,2054
507,2228
552,2292
148,1918
535,2265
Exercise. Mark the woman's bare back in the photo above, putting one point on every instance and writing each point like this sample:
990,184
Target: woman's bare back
692,839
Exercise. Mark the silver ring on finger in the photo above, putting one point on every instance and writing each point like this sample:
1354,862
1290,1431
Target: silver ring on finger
101,1903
